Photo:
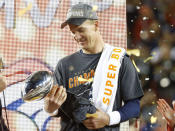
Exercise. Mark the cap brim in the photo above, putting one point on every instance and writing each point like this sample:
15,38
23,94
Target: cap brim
73,21
64,24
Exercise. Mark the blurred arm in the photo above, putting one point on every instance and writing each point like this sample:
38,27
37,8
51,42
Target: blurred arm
166,111
2,83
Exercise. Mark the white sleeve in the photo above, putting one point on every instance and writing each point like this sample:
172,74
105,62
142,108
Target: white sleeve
114,118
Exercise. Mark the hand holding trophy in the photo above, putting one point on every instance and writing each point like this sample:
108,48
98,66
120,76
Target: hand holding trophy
39,85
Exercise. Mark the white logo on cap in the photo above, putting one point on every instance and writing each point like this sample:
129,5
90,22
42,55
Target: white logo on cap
75,13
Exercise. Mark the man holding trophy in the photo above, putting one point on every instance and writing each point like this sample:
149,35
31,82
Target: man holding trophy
97,76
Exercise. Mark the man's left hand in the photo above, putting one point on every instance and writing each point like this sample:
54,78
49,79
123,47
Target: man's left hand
101,120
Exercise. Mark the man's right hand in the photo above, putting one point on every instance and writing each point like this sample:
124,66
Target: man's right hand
55,98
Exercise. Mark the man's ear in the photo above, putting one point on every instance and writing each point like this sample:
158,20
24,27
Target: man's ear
96,25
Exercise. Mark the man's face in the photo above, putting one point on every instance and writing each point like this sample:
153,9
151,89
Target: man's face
84,34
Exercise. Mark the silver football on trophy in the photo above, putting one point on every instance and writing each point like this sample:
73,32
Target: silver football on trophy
37,86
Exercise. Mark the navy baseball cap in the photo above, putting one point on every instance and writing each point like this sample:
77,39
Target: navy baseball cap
79,13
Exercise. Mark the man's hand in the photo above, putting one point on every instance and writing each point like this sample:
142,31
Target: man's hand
55,98
101,120
167,112
2,83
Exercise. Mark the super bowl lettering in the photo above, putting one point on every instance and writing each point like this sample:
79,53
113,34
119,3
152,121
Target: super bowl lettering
111,75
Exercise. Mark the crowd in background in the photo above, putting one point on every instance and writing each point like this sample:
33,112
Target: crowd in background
151,29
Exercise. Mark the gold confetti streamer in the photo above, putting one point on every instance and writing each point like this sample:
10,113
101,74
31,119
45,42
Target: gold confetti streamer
23,11
149,58
135,52
85,80
91,115
138,70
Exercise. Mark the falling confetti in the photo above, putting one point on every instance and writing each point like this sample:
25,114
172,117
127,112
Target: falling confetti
153,119
95,8
23,11
145,18
154,53
146,79
152,31
138,7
